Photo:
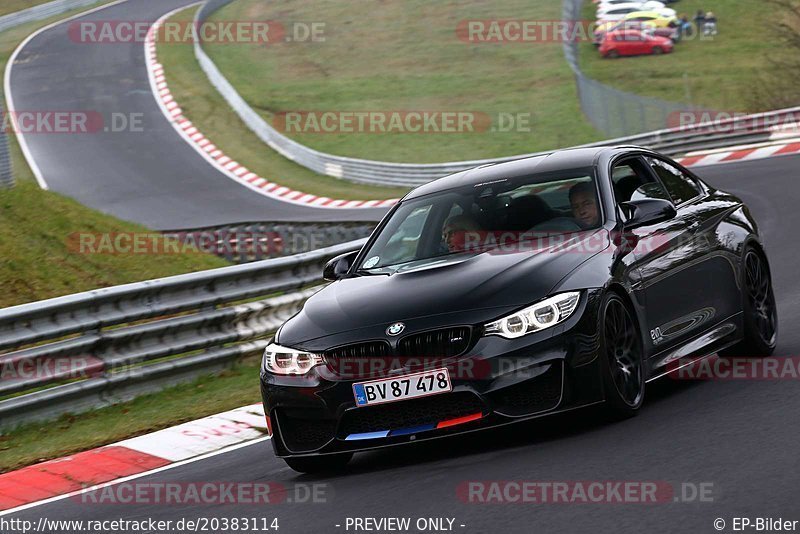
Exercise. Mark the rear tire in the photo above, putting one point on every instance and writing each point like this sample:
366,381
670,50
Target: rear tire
760,313
621,355
319,464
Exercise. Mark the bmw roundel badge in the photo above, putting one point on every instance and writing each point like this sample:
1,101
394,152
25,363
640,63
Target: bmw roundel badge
395,329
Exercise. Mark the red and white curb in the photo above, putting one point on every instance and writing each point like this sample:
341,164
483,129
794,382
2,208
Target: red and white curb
214,155
131,458
234,170
778,147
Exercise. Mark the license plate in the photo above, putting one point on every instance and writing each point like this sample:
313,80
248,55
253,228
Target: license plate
402,387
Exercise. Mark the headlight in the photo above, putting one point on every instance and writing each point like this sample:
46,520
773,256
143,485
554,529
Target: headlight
285,361
541,315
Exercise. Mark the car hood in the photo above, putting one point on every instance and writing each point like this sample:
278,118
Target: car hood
457,291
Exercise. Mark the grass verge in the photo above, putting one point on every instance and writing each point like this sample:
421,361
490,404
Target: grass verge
206,108
74,433
717,73
40,257
407,56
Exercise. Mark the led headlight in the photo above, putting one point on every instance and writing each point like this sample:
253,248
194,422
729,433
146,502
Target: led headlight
544,314
286,361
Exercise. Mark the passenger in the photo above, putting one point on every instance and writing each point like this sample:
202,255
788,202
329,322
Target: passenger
583,200
455,230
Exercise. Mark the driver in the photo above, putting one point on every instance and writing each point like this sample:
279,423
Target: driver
454,231
583,201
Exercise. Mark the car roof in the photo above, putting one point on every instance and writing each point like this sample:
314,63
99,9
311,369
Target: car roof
655,14
626,5
614,7
571,158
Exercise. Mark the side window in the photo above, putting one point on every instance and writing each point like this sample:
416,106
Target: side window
680,187
632,181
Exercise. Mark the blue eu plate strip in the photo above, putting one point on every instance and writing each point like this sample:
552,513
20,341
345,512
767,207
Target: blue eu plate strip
411,430
361,397
367,435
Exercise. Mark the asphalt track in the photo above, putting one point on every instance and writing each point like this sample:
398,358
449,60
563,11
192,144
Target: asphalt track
153,176
740,435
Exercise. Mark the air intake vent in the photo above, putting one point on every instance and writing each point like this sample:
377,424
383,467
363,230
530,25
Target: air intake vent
439,344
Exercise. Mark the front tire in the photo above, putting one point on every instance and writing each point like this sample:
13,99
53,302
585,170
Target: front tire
318,464
760,313
657,50
621,353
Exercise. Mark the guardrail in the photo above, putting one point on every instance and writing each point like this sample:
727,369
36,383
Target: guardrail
676,141
83,351
255,241
6,171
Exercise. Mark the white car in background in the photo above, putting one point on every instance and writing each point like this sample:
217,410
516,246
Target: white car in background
619,11
646,5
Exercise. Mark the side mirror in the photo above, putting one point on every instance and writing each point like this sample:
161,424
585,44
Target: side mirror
337,268
646,211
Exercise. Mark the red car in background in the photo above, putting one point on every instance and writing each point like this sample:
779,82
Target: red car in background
633,43
670,33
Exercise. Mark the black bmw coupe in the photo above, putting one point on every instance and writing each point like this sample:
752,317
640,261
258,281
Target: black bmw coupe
514,291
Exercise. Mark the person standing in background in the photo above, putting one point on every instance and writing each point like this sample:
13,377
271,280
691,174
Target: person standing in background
711,24
699,21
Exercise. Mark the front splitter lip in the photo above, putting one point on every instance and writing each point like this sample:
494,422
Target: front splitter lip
490,421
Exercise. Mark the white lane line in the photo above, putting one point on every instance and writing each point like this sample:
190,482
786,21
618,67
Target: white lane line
132,477
23,143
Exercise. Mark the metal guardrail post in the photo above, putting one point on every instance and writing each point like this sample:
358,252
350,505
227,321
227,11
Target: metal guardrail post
6,171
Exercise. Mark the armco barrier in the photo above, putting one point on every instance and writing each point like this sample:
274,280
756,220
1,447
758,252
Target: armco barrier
670,141
255,241
6,172
87,350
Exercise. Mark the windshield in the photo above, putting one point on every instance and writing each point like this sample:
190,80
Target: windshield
465,220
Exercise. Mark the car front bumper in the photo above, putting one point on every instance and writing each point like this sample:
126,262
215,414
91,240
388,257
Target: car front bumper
498,381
